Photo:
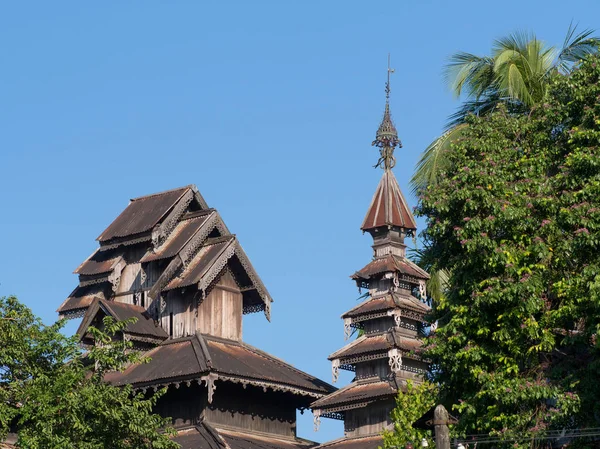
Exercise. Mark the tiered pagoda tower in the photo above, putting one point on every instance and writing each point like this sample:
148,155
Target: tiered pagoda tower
170,261
386,353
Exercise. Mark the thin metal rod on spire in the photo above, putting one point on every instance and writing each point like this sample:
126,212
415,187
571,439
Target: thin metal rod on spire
387,85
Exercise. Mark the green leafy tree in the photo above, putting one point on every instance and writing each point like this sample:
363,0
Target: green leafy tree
517,75
410,406
53,396
516,223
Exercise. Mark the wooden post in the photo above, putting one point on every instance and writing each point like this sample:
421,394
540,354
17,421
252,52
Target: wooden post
440,422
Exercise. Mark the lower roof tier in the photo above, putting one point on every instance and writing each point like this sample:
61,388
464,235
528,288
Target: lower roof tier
364,442
207,358
356,395
377,306
367,346
408,270
205,436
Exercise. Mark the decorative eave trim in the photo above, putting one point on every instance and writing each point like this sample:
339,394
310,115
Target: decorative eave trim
191,248
211,377
73,313
256,281
161,231
125,241
216,268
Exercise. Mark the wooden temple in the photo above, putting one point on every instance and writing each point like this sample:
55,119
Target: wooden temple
169,261
387,351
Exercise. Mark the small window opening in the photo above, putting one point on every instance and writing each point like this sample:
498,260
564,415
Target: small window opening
171,324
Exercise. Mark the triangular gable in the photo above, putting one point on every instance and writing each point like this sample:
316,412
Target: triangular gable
144,329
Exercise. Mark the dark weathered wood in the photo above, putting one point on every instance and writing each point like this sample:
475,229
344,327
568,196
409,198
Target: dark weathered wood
252,409
440,422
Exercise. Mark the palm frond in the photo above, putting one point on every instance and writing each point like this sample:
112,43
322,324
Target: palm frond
522,63
516,41
434,160
437,285
576,47
469,73
480,107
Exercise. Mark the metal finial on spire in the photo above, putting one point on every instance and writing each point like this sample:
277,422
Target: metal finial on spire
386,138
387,85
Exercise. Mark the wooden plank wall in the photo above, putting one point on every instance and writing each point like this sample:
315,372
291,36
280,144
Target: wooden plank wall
183,316
368,420
220,313
183,405
252,409
380,368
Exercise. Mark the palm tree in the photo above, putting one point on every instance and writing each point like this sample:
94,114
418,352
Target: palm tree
516,75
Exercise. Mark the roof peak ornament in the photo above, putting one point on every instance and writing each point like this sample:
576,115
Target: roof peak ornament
386,138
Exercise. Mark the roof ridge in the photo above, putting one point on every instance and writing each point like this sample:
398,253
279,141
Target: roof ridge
198,213
189,186
205,352
280,361
220,239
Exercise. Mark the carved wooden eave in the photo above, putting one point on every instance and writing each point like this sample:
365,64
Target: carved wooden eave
407,270
210,381
236,362
358,394
392,345
396,304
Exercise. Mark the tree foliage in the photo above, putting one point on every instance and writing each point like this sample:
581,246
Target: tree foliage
410,406
517,75
54,396
516,223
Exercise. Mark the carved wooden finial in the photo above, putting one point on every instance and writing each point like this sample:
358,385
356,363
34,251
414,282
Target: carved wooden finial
386,138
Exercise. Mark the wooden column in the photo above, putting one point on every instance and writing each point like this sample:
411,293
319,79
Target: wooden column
440,422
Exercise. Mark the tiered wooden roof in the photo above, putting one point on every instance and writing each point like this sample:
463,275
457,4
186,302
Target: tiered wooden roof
199,357
169,261
175,227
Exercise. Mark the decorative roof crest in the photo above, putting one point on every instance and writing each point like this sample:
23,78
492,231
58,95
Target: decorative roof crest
386,138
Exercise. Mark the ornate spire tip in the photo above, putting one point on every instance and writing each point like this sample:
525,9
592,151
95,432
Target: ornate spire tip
386,138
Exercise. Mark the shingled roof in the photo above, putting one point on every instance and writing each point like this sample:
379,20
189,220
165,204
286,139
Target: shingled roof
207,436
144,328
389,264
386,302
191,358
378,343
363,442
143,213
357,393
388,206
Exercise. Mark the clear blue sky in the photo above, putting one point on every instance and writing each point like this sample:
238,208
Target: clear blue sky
268,107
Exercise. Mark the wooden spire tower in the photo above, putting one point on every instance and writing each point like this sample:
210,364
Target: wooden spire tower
386,353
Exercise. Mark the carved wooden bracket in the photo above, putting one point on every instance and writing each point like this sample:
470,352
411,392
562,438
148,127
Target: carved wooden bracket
209,380
347,328
335,369
395,361
317,419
